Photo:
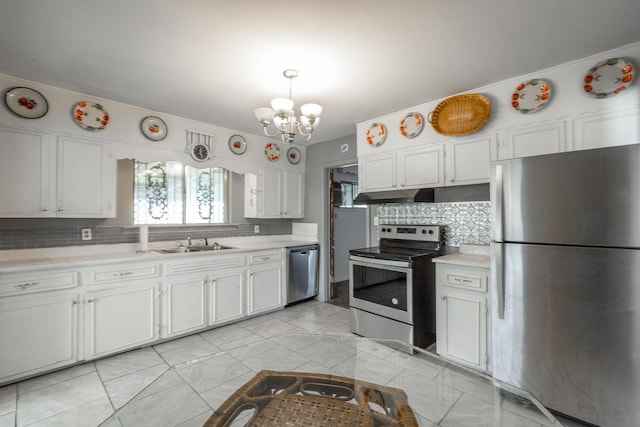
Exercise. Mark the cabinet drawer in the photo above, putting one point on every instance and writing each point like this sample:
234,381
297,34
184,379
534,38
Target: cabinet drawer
261,257
473,279
120,273
22,283
205,264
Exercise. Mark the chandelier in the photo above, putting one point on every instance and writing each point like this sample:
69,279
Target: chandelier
284,118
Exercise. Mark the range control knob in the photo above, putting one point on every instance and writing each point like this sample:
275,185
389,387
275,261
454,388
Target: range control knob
430,231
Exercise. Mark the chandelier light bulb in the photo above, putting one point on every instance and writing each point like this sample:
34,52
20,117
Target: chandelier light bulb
282,106
311,111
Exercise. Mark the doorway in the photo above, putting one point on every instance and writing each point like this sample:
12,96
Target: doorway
348,228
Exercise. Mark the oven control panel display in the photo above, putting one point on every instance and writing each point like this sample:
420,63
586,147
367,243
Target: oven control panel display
426,233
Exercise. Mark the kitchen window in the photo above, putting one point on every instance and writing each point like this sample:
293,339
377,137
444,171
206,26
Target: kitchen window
171,193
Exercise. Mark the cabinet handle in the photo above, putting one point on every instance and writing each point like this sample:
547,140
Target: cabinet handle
91,300
451,179
26,285
59,209
127,273
44,209
74,302
443,297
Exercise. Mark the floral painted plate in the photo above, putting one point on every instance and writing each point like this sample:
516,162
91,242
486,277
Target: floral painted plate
609,78
237,144
90,116
26,102
293,155
376,134
153,128
531,96
272,151
411,125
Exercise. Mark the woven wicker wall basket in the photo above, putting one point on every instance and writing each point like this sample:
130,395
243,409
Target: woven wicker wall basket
460,115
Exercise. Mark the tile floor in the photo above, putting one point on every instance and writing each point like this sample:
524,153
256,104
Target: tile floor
181,382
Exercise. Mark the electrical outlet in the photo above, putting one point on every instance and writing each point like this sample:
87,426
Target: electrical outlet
86,234
256,228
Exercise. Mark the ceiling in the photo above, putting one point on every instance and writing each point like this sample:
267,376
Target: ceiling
215,61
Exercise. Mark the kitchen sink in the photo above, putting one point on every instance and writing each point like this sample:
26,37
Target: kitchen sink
185,249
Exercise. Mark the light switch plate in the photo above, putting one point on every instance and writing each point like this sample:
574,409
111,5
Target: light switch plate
86,234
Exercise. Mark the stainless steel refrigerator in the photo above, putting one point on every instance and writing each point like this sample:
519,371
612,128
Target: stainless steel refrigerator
566,281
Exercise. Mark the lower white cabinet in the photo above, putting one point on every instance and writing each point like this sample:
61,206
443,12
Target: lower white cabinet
226,296
185,304
37,333
462,315
122,317
265,282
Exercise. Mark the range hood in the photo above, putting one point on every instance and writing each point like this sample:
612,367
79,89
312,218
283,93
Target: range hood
456,193
395,196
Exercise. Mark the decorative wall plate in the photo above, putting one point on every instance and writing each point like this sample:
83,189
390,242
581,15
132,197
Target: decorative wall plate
90,116
293,155
272,151
26,102
531,96
609,78
376,134
153,128
237,144
411,125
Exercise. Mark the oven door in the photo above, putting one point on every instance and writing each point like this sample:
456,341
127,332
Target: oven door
381,287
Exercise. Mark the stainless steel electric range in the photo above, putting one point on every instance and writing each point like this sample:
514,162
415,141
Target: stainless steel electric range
392,286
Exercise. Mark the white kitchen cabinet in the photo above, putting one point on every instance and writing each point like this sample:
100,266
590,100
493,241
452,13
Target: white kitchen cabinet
122,317
226,296
377,172
274,193
203,291
38,332
67,177
462,315
265,282
532,141
467,161
421,168
185,304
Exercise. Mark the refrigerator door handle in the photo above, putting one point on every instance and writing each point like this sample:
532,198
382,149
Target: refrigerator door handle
497,276
498,195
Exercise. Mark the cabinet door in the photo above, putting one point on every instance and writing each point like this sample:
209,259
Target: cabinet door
226,297
264,288
377,172
293,194
121,318
37,333
185,304
421,168
271,197
533,141
467,162
86,179
462,328
25,168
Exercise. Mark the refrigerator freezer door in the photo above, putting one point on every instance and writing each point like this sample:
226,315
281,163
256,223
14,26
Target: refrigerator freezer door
571,330
588,197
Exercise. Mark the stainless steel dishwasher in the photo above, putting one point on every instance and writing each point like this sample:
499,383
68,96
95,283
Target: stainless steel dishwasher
302,273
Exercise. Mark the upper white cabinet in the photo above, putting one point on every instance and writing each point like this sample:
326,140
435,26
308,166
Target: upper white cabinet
274,193
467,161
532,141
377,172
419,168
67,177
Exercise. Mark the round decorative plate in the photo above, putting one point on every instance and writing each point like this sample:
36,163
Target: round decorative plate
237,144
376,134
90,116
153,128
293,155
272,151
26,102
411,125
609,78
531,96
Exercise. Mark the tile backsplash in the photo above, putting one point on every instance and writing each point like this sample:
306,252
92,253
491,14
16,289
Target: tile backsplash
465,222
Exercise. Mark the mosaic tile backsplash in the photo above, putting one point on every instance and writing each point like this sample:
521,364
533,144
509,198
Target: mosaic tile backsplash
465,222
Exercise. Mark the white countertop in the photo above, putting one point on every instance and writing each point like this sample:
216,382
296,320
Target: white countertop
469,255
25,259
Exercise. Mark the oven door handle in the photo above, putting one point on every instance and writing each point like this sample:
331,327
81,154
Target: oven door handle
378,262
